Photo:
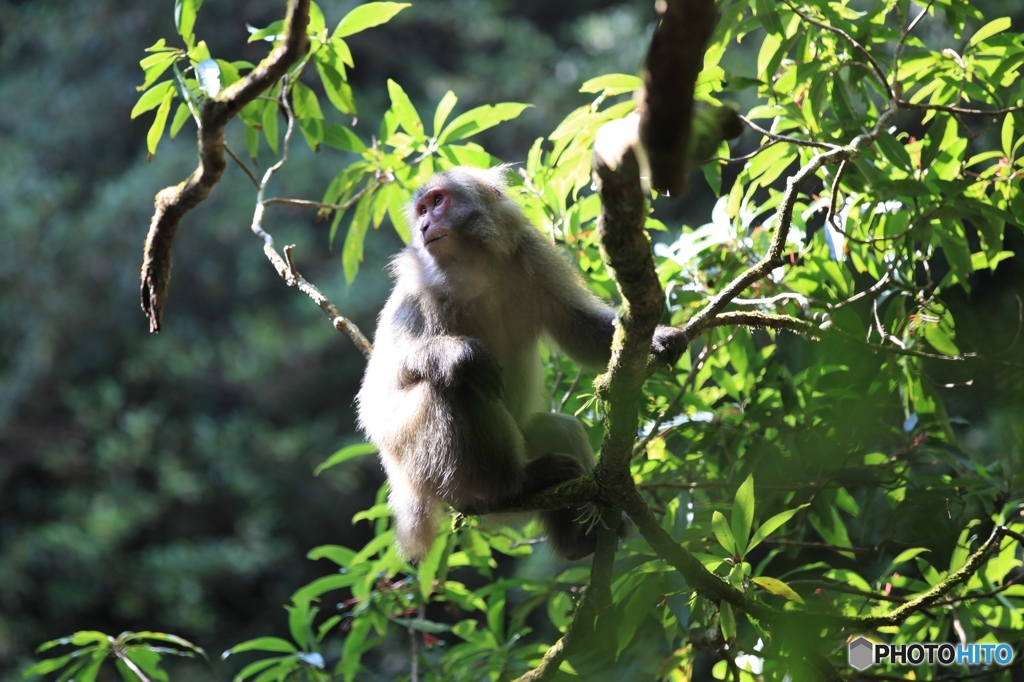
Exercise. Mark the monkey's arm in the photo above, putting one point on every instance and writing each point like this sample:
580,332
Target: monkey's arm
452,362
583,325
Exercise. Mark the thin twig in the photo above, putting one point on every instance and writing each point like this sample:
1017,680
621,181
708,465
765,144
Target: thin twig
898,52
285,266
875,65
130,664
904,104
241,165
775,137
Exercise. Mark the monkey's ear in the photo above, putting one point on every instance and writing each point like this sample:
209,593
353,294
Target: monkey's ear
498,176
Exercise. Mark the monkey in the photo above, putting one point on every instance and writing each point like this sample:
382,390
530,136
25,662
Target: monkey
452,396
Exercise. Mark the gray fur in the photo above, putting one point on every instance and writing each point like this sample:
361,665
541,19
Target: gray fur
452,396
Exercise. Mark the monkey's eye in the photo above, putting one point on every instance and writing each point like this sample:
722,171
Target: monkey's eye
423,210
438,199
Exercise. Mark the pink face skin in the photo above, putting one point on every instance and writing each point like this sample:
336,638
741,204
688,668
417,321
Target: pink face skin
432,221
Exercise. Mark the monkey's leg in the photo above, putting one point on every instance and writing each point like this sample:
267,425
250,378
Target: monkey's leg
482,448
560,451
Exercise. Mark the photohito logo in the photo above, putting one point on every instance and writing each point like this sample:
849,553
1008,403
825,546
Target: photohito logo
864,653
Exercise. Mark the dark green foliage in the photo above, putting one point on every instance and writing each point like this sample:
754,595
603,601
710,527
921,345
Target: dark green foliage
165,482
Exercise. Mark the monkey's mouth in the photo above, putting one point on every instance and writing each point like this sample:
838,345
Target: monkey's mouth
434,239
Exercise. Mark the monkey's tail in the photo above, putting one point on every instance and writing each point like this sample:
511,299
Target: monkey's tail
416,521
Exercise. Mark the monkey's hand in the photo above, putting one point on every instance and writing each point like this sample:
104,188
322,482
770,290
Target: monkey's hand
456,363
668,344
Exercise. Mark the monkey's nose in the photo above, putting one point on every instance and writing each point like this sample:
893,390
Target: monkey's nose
424,226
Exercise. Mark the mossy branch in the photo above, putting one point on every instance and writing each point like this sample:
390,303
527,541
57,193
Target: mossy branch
172,203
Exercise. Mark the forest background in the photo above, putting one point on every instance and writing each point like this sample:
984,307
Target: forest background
166,481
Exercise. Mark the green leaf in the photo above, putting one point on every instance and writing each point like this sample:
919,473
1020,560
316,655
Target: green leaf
743,514
367,16
902,557
271,33
405,112
777,587
152,98
345,454
252,142
398,199
767,12
181,114
722,532
422,625
270,125
341,137
955,248
156,131
163,637
352,651
326,584
990,29
336,87
185,18
466,155
939,329
304,102
770,526
444,108
299,618
47,666
352,251
766,56
275,644
148,661
257,667
727,621
894,151
640,605
336,553
1006,136
612,84
154,66
317,22
480,118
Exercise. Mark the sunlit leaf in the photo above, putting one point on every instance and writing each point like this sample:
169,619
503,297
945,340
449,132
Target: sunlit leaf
478,119
344,455
777,587
367,16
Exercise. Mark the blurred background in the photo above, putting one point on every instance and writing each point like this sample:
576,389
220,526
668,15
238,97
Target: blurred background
166,482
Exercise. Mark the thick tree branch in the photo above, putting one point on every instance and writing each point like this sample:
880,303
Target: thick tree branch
597,597
172,203
626,249
675,58
705,583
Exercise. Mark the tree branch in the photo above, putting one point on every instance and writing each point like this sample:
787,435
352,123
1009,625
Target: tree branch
674,59
597,597
285,266
626,249
773,258
172,203
875,65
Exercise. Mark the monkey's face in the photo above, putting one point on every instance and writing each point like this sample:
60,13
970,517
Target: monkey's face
433,210
466,229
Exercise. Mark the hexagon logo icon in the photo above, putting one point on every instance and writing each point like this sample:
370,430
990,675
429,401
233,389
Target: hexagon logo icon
862,653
